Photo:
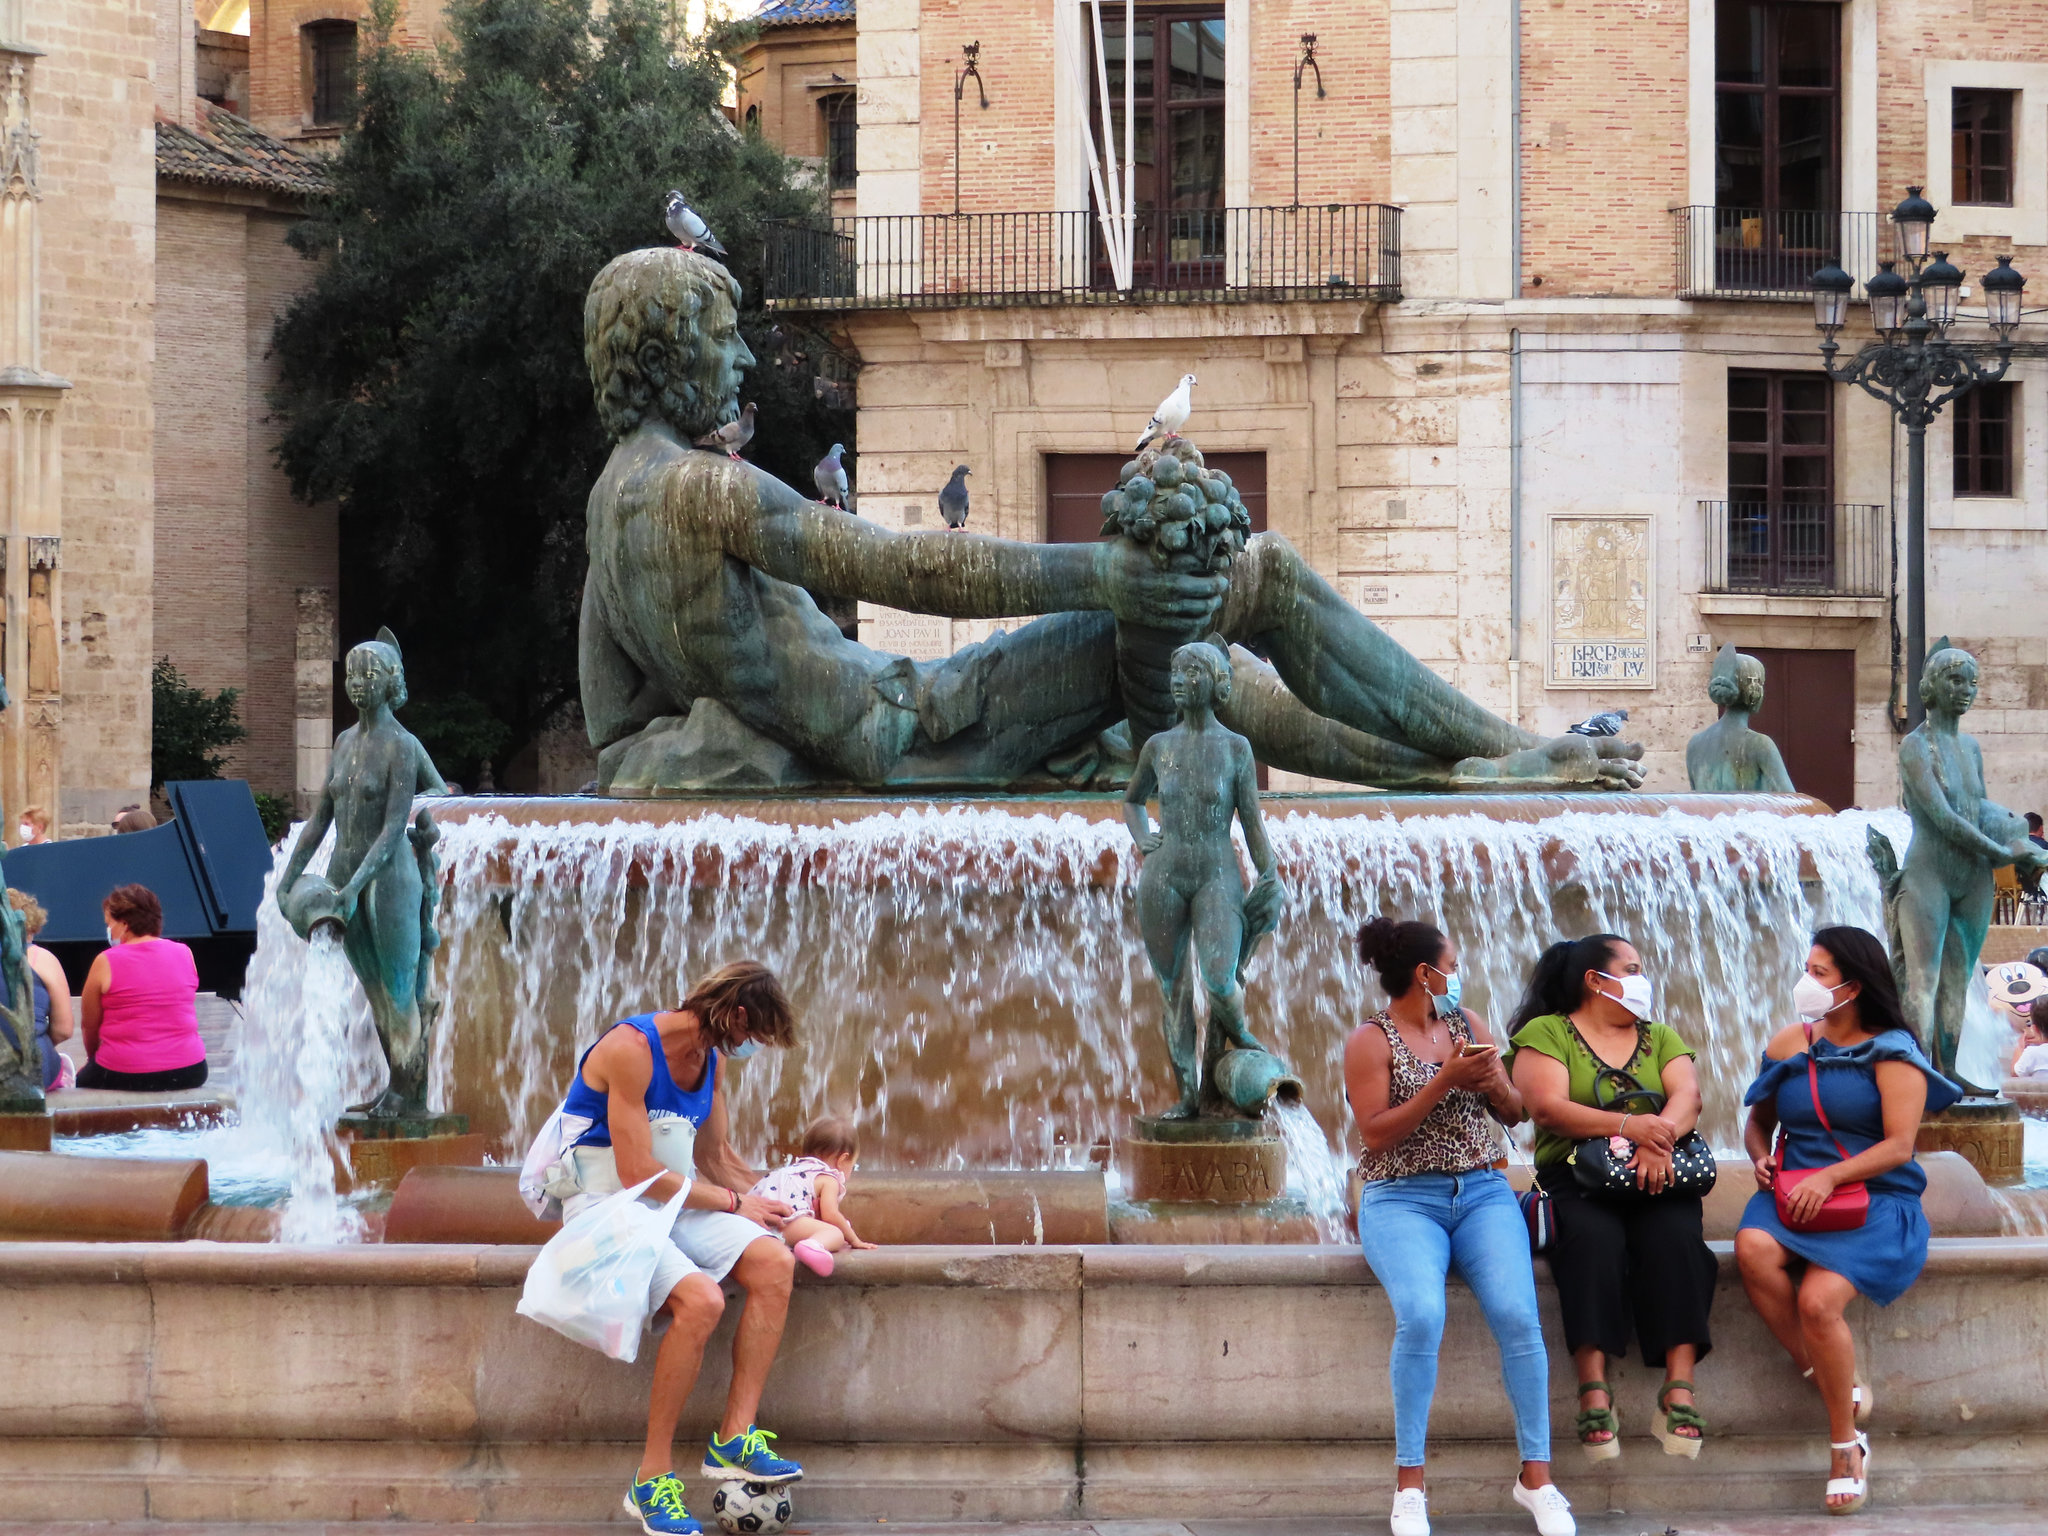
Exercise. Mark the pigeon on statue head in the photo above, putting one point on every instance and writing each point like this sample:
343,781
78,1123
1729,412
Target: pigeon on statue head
1172,414
953,499
830,476
690,230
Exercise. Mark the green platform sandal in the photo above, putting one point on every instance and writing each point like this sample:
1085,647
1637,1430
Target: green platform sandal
1596,1421
1678,1416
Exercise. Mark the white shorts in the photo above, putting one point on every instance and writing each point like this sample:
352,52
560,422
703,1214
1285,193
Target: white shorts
700,1243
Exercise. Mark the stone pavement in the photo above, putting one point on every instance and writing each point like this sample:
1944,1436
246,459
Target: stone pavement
1923,1520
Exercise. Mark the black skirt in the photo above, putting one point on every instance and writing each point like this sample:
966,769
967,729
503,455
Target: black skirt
1626,1267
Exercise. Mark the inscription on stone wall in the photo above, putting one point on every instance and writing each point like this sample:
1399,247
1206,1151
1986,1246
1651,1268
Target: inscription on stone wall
1600,603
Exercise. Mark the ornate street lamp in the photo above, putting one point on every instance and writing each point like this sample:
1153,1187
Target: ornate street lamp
970,54
1915,369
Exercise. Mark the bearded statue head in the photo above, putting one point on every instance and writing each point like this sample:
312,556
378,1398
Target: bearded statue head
661,337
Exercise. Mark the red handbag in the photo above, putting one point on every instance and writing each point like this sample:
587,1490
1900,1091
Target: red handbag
1848,1205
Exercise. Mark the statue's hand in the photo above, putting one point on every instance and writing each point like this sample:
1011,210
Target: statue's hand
1602,762
1148,841
1137,591
1262,904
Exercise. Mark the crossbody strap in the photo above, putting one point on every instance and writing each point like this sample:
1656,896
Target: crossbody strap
1813,1087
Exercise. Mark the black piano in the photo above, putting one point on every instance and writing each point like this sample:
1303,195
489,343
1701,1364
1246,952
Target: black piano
207,866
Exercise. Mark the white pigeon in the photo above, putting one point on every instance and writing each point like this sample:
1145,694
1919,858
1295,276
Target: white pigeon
1172,414
688,227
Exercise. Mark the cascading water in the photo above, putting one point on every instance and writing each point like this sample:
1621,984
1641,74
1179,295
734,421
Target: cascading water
1316,1176
969,980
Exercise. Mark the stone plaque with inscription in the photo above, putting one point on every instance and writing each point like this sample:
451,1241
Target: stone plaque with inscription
1600,603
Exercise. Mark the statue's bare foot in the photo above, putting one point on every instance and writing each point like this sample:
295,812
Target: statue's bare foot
1186,1109
390,1105
1563,762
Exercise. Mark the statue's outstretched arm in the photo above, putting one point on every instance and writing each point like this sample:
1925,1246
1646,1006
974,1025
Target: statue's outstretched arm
1925,797
427,778
960,575
1144,781
1249,817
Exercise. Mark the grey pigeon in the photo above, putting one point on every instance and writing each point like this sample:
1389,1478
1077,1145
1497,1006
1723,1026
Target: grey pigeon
1606,723
831,477
690,231
953,499
1172,414
734,435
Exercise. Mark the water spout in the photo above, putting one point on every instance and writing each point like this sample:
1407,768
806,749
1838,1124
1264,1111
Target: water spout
1251,1080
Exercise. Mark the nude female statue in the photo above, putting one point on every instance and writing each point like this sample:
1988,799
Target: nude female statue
386,892
1729,757
1191,887
1941,902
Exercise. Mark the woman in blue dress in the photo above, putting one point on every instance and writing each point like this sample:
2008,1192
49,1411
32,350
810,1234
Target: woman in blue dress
1874,1087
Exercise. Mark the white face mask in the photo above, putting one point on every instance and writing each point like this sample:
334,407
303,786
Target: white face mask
27,832
1637,995
1813,1000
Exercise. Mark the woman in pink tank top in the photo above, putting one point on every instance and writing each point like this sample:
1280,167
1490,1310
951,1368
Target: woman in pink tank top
140,1023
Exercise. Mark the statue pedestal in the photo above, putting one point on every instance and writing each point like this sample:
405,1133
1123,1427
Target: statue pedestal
383,1149
1986,1131
1211,1162
25,1130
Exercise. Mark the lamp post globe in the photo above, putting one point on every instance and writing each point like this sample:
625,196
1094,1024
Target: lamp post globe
1831,289
2002,285
1914,218
1941,284
1887,294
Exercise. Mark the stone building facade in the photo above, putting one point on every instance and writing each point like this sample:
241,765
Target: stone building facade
1582,438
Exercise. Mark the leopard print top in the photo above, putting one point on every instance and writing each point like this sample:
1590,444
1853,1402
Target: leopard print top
1454,1137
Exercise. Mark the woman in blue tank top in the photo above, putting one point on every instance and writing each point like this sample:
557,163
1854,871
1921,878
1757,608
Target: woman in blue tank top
628,1116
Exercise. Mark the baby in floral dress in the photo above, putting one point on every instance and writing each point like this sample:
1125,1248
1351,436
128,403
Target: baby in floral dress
812,1187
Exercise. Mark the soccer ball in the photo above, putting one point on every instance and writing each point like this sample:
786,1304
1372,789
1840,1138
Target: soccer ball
752,1509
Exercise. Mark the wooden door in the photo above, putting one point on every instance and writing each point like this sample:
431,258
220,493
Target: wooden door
1810,712
1075,482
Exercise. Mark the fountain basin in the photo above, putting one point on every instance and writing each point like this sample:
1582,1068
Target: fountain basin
202,1383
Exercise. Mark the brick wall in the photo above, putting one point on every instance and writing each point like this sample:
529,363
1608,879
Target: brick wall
1604,135
95,97
1006,152
279,95
1344,136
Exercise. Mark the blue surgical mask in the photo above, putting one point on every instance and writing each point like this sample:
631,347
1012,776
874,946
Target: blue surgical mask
742,1051
1449,1000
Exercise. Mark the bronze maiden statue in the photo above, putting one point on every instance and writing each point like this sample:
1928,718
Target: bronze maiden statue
382,881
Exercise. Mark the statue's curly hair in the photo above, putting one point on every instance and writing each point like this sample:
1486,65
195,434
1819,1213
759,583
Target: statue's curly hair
642,340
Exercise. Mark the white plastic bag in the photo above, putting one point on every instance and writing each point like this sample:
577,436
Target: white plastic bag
538,1172
590,1282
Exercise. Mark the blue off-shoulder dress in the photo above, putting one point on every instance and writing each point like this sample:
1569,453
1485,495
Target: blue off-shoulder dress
1883,1257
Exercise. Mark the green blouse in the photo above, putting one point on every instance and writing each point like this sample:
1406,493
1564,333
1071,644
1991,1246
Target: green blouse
1552,1035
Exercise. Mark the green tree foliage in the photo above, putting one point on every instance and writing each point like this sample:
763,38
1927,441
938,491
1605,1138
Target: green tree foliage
433,382
188,726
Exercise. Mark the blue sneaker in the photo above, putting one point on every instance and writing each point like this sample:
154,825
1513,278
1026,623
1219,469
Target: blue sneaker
658,1505
747,1456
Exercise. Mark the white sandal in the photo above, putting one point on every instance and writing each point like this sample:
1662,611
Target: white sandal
1857,1488
1860,1395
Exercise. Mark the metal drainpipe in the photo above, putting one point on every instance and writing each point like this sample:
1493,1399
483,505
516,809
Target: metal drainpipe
1515,382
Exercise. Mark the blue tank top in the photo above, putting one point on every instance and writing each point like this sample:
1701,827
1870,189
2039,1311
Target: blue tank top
664,1098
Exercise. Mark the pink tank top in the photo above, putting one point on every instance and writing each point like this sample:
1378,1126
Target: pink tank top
147,1019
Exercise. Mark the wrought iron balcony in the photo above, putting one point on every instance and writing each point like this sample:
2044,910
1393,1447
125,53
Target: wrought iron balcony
1752,253
946,261
1796,549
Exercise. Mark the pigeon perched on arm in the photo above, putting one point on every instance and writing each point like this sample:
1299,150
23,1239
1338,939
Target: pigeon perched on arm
690,230
1172,414
734,435
953,499
1607,723
831,478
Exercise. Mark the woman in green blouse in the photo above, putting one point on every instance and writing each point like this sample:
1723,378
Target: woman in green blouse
1625,1265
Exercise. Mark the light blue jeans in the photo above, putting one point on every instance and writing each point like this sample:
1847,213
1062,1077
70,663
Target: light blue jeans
1414,1232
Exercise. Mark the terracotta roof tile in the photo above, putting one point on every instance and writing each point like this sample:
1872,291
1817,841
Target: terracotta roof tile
225,151
791,13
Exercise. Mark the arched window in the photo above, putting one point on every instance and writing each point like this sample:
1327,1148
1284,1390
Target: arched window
753,119
329,59
840,166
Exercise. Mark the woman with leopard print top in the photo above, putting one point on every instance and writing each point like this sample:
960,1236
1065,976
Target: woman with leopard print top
1424,1079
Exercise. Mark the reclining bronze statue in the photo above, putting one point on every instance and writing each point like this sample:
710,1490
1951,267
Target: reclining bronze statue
705,663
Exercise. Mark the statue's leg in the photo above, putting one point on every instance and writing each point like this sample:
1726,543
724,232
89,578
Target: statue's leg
1286,734
1969,921
383,944
1163,920
1219,934
1922,911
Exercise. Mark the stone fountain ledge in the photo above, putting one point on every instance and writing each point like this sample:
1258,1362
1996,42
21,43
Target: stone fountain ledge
229,1382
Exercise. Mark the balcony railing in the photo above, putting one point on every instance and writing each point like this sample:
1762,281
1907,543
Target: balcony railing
944,261
1796,549
1751,253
